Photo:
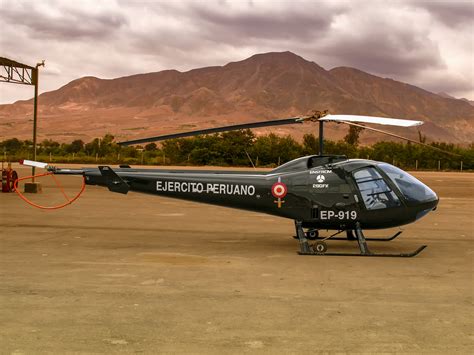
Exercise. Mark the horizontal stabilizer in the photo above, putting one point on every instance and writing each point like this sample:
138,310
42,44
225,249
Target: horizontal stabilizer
114,182
372,119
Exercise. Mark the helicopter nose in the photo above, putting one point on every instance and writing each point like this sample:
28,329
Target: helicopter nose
419,197
427,207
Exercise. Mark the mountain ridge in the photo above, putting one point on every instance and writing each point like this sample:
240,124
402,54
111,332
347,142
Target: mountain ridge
263,86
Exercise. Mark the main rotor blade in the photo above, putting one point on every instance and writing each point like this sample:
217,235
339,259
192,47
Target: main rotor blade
397,136
372,119
237,127
316,116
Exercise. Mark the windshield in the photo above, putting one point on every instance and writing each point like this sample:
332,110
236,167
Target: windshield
413,189
375,192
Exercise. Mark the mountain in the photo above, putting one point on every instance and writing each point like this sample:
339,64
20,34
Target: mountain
470,102
447,96
264,86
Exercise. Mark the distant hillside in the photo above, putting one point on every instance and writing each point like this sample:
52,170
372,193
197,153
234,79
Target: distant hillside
264,86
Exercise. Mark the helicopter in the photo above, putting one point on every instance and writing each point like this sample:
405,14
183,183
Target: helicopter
318,192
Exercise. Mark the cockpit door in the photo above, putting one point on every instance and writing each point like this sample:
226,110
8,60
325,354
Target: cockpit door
375,193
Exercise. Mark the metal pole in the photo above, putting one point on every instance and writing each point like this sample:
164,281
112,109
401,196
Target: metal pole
321,138
35,118
35,75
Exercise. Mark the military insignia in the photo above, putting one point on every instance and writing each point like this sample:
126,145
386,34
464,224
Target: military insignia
279,191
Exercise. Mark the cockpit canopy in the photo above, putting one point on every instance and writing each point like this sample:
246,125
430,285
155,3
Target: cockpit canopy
377,192
411,188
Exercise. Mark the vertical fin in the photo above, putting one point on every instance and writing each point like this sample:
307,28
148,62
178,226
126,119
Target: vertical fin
114,182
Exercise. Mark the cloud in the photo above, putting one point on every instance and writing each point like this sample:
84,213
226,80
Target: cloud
56,21
298,23
451,13
444,81
382,41
425,43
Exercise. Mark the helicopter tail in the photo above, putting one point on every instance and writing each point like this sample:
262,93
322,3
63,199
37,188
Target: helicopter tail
107,177
113,182
50,171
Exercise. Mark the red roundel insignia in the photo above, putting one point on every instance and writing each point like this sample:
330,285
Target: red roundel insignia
279,190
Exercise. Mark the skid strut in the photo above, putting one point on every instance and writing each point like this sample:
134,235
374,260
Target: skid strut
304,245
319,248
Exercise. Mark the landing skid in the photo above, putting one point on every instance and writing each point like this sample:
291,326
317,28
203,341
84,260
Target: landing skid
368,239
319,248
343,238
393,255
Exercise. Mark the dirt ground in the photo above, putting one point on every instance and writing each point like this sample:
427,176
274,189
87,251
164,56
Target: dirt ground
143,274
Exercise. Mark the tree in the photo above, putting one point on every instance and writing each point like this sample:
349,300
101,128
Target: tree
75,147
273,149
234,146
310,144
12,146
352,137
421,137
151,147
49,146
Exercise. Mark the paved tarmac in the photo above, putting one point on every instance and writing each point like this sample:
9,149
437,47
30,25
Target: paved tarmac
143,274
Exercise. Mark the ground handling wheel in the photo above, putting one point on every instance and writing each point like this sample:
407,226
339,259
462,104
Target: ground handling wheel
320,247
312,234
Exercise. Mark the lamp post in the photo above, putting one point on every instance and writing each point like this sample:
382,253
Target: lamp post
35,112
19,73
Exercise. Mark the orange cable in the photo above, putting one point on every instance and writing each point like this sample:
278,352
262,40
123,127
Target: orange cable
69,201
60,187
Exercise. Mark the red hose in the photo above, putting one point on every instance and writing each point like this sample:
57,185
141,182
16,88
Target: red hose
69,200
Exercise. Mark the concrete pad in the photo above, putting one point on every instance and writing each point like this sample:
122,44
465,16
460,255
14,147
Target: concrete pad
33,187
133,273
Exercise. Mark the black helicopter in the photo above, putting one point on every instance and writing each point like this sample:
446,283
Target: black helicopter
317,192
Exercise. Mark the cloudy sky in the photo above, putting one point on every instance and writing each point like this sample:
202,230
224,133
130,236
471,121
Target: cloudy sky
426,43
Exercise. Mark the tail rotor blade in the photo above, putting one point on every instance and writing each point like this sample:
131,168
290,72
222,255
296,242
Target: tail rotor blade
36,164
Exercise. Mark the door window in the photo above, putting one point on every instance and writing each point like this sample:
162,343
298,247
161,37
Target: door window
375,192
